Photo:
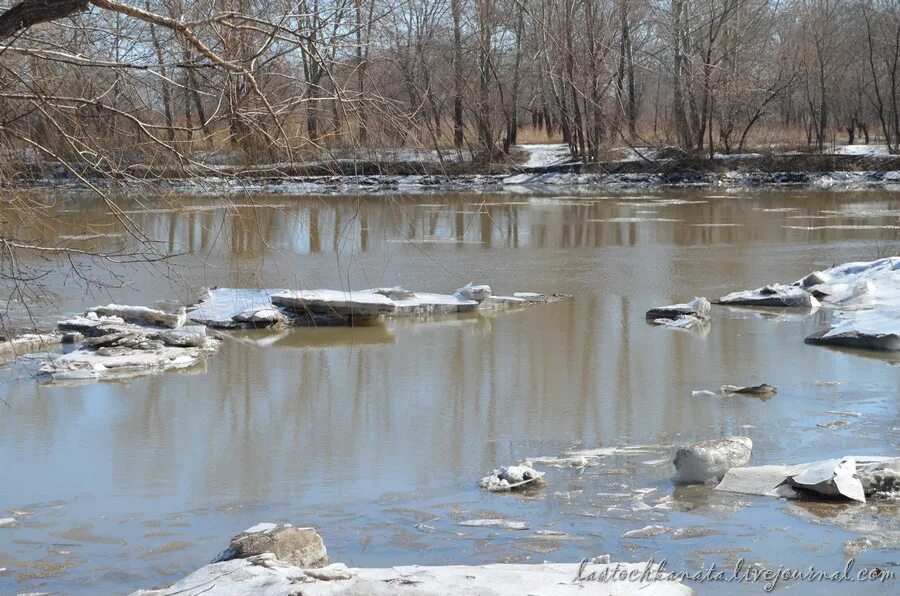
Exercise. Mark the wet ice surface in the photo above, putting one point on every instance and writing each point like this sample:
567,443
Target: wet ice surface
378,436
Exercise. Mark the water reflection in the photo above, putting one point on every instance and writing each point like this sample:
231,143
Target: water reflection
303,225
298,425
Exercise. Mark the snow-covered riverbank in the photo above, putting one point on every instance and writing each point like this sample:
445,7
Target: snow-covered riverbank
532,169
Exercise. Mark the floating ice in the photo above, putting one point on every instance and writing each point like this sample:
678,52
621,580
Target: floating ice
511,477
764,390
363,305
229,308
864,298
140,315
647,532
691,315
16,347
710,460
107,347
506,524
265,574
772,295
698,307
851,477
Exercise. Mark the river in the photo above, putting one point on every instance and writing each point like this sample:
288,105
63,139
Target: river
377,435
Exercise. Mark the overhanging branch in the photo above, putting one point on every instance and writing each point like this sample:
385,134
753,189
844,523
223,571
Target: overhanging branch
29,13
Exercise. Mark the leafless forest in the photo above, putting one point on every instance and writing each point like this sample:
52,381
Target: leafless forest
113,85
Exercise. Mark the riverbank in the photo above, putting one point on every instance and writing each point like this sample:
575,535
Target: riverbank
532,168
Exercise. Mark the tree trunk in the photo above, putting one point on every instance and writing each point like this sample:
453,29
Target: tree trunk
458,138
679,108
164,83
485,10
512,121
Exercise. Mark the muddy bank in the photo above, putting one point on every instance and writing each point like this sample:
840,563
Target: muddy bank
541,182
529,168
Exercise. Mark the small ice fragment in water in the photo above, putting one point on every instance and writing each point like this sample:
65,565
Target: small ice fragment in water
261,527
698,307
495,523
472,292
764,390
511,477
647,532
704,393
700,462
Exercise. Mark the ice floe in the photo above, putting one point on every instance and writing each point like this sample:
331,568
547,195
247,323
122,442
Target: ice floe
16,347
108,346
851,477
690,315
230,308
504,524
866,298
120,341
862,297
771,295
511,477
141,315
763,390
127,351
710,460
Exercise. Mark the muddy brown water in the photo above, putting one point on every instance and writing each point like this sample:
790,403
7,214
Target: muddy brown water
377,436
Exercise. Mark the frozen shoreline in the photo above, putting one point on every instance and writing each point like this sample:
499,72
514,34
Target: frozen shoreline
281,560
539,168
266,575
537,183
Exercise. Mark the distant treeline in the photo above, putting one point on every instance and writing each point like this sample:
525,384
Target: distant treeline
113,84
